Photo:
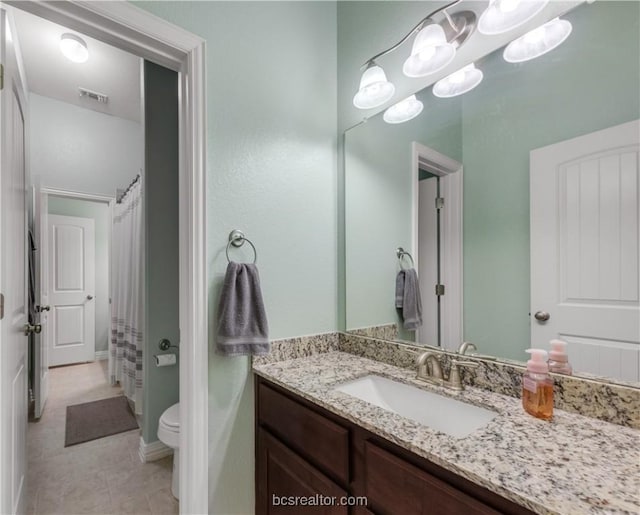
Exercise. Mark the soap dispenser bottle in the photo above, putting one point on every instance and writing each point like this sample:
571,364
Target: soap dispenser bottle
558,358
537,386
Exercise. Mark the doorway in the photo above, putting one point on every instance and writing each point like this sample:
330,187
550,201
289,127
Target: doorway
437,229
149,38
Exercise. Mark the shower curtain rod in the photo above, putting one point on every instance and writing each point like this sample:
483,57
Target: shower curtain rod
124,194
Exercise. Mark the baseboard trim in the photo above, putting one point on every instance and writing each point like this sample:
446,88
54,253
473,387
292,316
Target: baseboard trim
101,354
153,451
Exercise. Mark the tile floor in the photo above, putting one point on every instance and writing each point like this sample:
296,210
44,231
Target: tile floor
104,476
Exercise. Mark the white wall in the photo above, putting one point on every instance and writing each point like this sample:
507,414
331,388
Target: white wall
77,149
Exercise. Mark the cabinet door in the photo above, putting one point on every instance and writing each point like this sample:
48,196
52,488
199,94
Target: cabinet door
394,486
287,484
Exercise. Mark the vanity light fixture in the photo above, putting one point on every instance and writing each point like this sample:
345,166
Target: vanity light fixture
403,111
434,48
74,48
375,89
504,15
538,42
459,82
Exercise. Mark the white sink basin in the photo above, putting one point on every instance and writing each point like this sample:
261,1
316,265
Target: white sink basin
441,413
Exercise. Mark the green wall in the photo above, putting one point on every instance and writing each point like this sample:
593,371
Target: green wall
161,281
271,172
590,82
379,191
99,212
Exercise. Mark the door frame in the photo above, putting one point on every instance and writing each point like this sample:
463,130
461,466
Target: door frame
451,171
92,197
137,31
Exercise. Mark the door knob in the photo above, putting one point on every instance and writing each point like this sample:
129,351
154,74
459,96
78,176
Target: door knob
31,329
89,297
40,309
542,316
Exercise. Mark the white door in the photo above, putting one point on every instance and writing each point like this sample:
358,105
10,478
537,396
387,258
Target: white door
71,270
13,283
584,249
41,348
428,258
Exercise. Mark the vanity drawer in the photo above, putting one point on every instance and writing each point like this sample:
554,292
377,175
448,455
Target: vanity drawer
394,486
321,441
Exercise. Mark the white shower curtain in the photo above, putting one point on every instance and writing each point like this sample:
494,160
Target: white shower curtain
125,351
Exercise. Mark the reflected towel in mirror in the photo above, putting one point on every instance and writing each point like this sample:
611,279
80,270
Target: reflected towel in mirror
408,298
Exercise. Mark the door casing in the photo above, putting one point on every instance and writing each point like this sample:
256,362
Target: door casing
131,29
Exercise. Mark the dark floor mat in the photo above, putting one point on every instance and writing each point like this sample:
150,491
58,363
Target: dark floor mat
97,419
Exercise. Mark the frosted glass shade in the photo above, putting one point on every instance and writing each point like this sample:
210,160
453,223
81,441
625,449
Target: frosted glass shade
404,110
374,90
538,41
74,48
430,52
458,83
504,15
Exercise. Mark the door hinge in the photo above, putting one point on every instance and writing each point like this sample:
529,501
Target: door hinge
1,306
1,77
439,202
439,289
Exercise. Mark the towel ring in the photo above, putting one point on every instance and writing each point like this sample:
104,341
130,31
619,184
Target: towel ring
237,239
400,252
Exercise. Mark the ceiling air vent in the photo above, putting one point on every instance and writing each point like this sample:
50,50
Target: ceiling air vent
94,95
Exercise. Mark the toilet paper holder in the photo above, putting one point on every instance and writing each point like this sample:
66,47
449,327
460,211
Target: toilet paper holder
165,344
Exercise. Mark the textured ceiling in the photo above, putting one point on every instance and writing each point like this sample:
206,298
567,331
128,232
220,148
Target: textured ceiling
49,73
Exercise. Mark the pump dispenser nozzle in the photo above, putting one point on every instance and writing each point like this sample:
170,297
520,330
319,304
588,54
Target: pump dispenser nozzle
538,362
558,358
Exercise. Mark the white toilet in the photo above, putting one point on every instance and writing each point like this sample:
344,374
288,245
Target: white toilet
169,434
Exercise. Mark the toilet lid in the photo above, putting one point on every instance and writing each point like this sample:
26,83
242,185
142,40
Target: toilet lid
171,416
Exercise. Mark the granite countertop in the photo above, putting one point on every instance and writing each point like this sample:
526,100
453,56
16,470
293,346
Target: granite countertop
570,465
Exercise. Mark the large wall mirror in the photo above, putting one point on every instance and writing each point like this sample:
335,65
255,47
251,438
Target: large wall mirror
537,233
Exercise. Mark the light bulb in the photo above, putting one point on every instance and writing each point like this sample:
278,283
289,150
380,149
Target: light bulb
537,42
458,83
374,90
74,48
535,36
427,53
457,77
430,53
507,6
505,15
403,111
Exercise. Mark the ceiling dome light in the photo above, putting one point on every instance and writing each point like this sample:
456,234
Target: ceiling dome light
458,83
504,15
538,41
404,110
374,90
74,48
430,53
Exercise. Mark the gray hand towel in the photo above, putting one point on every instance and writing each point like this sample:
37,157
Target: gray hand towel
242,321
411,301
399,289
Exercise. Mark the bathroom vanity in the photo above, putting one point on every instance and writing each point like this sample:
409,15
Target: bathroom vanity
303,450
312,438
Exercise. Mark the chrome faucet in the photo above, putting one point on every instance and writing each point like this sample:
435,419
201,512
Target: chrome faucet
429,368
430,371
465,346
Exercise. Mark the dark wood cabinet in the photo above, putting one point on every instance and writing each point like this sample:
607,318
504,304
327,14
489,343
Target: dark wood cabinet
304,451
288,479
